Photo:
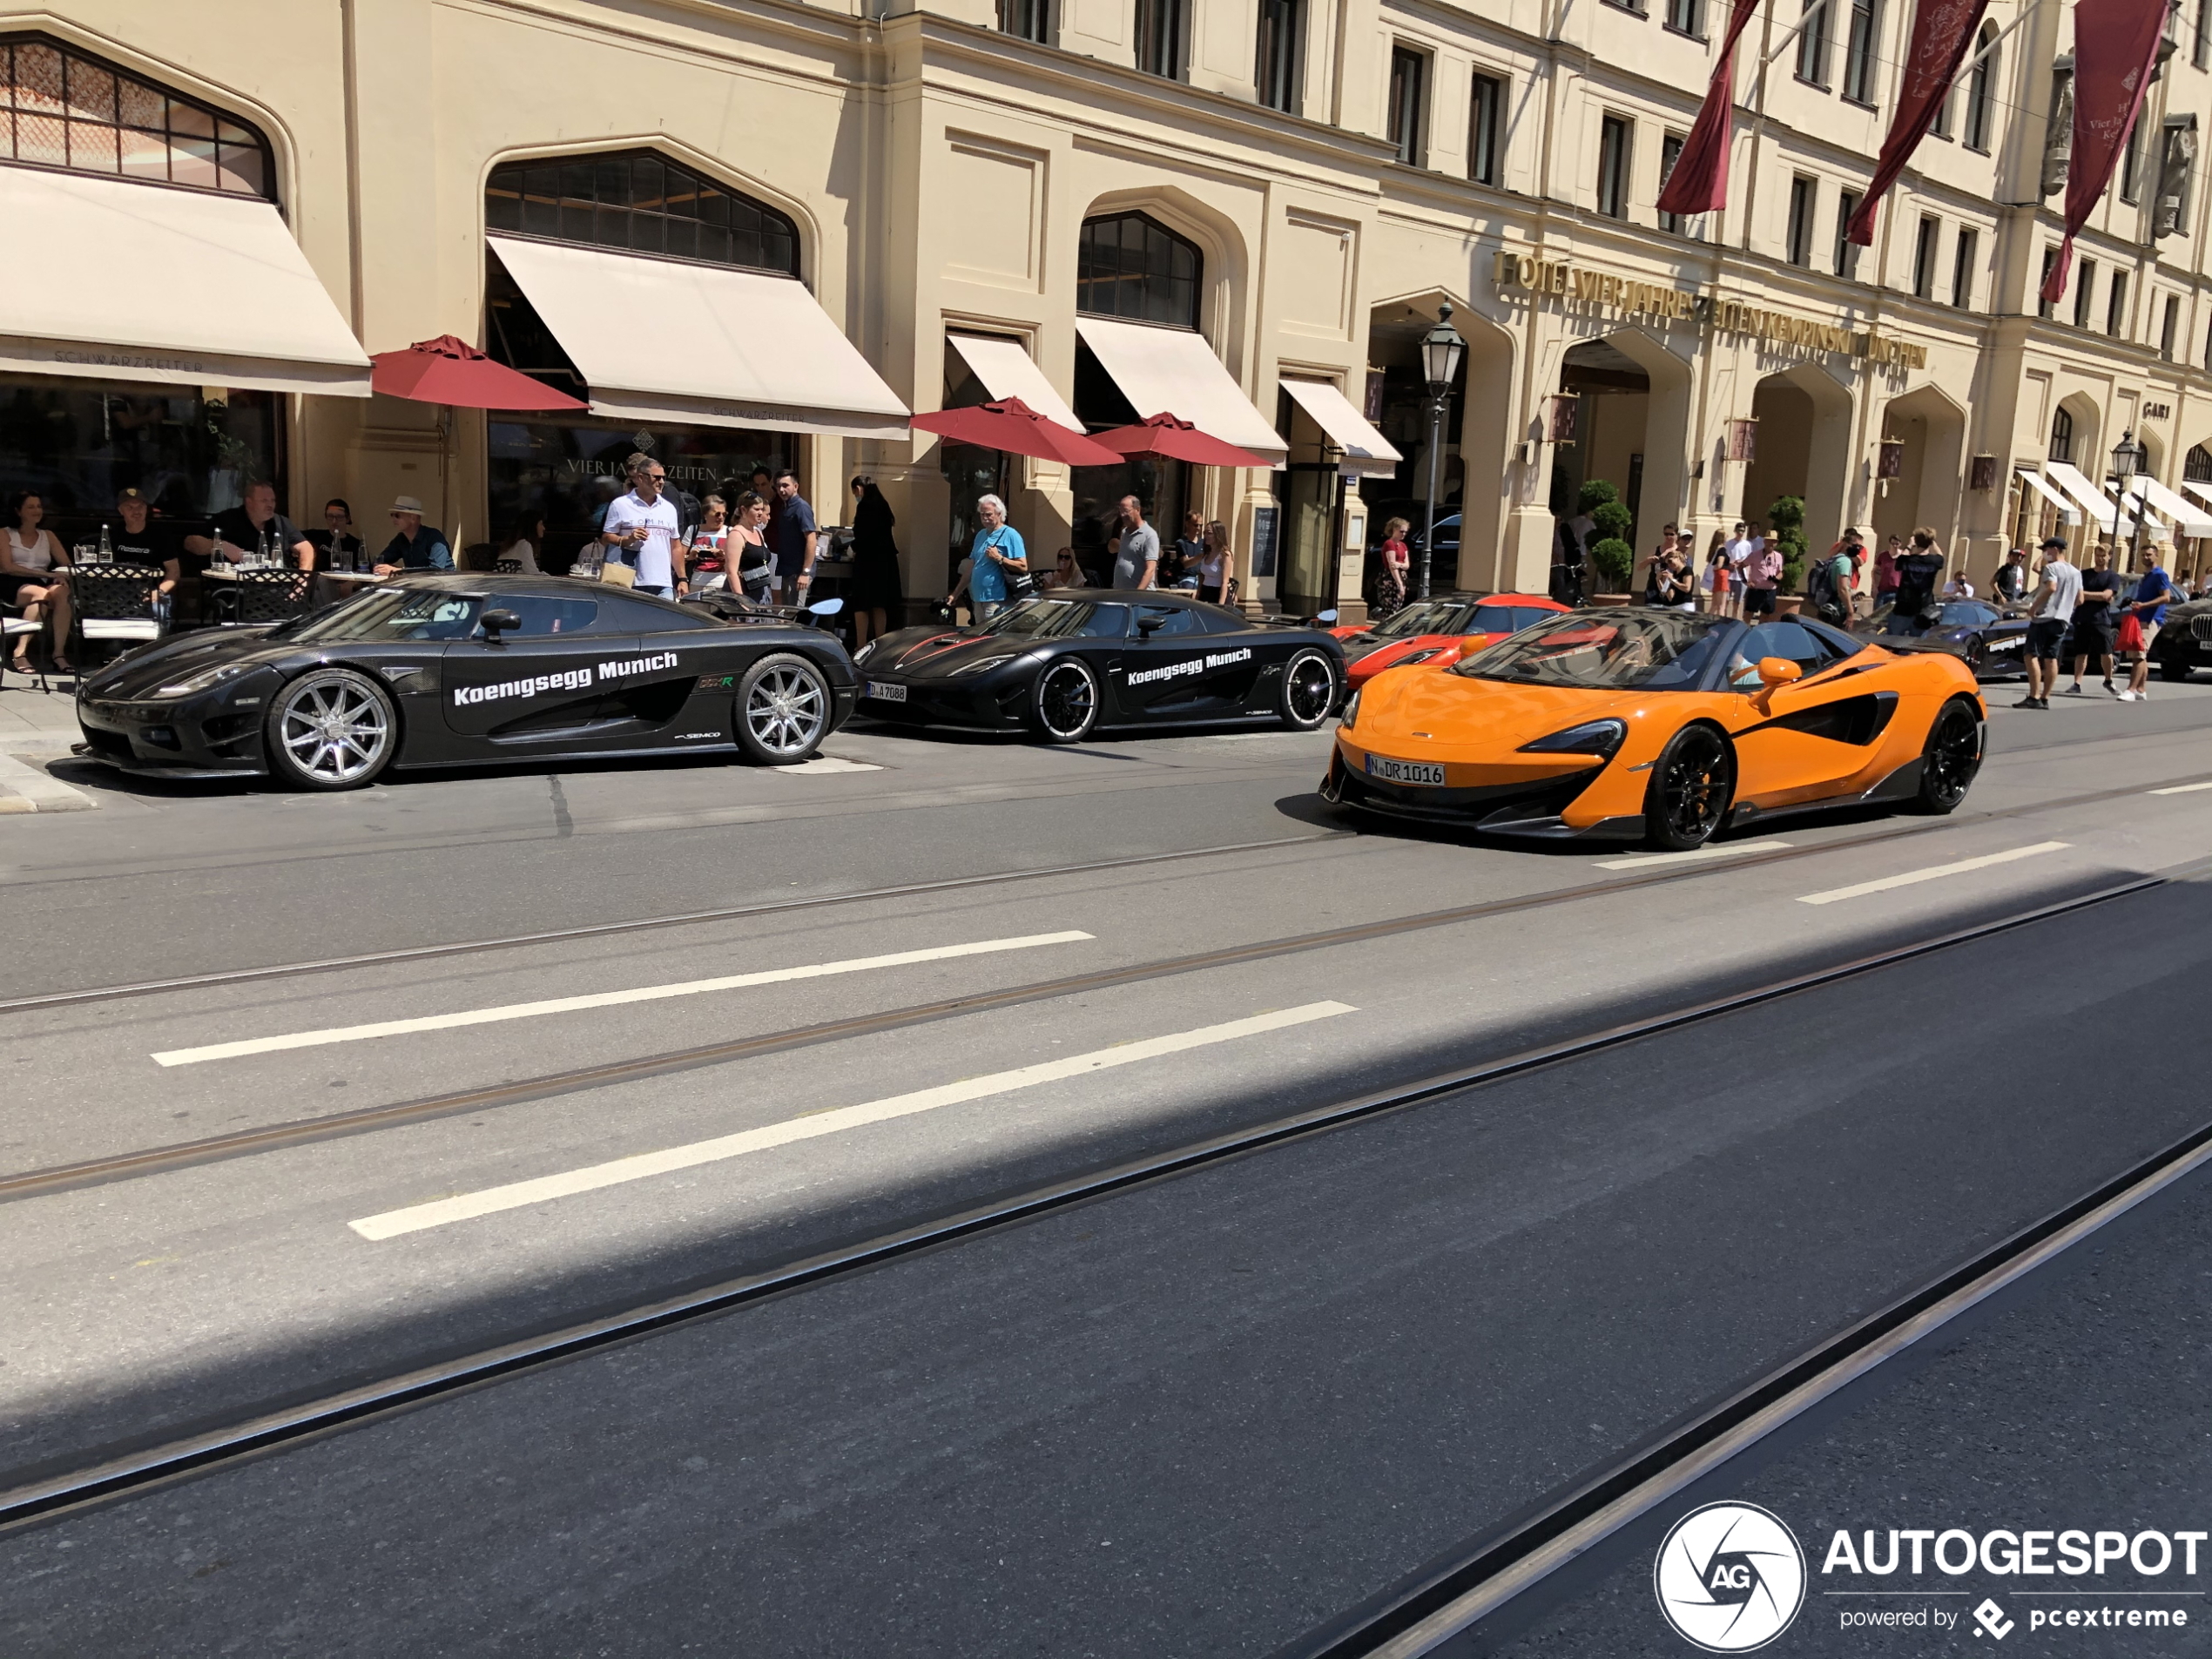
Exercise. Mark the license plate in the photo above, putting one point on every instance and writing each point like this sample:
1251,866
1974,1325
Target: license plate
1404,771
883,691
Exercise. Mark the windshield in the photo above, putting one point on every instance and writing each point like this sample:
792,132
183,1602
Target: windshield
1961,615
1060,619
1658,650
1427,617
387,616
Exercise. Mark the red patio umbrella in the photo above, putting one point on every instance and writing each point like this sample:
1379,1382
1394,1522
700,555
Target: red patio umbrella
1013,426
1163,434
452,372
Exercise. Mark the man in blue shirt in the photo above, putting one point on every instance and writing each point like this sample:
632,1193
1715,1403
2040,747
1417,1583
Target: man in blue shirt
997,552
793,533
2149,606
415,546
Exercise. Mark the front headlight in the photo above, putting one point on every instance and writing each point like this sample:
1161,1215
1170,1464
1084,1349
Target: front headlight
192,685
864,653
980,666
1591,738
1421,656
1352,709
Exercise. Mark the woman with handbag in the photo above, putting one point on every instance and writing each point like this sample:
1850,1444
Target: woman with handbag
1002,572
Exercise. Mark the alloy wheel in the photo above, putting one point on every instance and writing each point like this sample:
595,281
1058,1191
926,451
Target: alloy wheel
1309,689
786,709
1953,756
333,731
1695,788
1067,701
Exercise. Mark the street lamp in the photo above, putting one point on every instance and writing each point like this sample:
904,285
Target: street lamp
1440,349
2129,456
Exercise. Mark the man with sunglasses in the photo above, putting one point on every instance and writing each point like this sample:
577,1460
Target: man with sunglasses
641,530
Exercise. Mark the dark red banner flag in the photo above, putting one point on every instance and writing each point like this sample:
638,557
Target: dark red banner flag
1699,182
2115,46
1942,32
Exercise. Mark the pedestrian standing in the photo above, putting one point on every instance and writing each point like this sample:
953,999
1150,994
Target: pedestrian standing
2050,612
1216,565
1000,560
1828,585
1762,575
794,534
2148,611
748,553
1397,559
1181,561
1136,550
879,595
2009,586
2093,624
710,545
642,525
1885,571
1917,571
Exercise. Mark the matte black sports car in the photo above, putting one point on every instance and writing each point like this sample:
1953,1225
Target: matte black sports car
436,669
1994,641
1064,665
2184,642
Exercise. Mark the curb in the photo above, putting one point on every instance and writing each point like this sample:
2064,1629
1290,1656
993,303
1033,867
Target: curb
27,789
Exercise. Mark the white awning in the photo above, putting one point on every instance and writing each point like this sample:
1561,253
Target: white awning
2086,495
120,280
2068,511
659,340
2196,489
1367,454
1173,371
2190,520
2133,506
1007,370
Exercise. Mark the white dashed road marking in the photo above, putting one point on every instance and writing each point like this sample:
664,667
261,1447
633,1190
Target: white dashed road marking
2180,789
1933,872
1731,851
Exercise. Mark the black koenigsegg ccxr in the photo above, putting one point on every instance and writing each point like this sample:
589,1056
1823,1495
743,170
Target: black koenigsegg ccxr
462,670
1066,664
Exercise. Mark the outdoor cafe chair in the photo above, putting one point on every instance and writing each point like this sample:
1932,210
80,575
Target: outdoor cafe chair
251,596
114,603
17,626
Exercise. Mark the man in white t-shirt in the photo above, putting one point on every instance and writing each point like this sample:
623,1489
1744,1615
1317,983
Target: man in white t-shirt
2050,614
641,530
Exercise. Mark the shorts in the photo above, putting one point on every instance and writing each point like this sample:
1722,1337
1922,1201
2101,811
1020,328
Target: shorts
2043,637
1758,602
2093,634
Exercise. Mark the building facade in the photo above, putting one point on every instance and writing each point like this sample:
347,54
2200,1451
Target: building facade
1290,190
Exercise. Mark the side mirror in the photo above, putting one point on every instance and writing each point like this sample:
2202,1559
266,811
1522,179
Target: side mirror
495,623
1326,617
1148,626
1778,670
1475,643
825,607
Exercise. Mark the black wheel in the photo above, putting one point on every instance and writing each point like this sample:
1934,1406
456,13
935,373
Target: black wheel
782,711
1692,783
2174,670
1950,759
330,729
1063,701
1309,692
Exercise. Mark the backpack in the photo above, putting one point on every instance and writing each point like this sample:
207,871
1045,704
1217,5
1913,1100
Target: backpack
1820,588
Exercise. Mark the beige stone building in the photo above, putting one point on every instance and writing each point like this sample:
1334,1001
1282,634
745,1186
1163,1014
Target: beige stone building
761,232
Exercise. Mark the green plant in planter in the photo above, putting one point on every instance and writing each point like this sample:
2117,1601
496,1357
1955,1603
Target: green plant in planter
1786,519
1616,561
1594,495
1613,521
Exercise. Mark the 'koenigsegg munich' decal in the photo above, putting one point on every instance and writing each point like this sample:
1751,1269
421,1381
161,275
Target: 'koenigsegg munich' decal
569,679
1192,666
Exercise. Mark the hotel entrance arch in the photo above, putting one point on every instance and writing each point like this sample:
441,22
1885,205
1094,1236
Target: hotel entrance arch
1632,420
1930,483
1802,449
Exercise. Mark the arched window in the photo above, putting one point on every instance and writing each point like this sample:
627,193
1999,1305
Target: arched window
1978,97
643,203
1130,266
63,108
2062,435
2197,466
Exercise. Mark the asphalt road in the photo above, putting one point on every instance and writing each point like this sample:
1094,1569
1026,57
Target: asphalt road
1202,1416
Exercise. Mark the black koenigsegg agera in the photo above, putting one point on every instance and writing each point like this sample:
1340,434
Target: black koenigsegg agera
436,670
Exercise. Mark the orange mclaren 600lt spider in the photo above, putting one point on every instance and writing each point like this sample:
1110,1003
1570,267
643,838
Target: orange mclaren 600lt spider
1660,726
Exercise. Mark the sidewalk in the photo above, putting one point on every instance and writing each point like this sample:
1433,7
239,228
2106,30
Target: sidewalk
34,727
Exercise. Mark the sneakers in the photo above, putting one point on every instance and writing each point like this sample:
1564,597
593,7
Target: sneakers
2076,689
2129,696
2032,703
2117,692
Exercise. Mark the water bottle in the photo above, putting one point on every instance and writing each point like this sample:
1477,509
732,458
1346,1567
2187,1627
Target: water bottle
107,550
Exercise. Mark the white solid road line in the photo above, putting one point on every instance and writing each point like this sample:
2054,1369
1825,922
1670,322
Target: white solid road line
1933,872
1691,857
2178,789
491,1200
601,998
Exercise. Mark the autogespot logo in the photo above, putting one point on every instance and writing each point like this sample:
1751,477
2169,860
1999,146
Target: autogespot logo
1730,1577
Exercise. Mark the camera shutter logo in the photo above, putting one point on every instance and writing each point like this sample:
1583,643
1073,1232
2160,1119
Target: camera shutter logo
1730,1577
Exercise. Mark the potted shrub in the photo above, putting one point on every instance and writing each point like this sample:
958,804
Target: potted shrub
1786,518
1612,559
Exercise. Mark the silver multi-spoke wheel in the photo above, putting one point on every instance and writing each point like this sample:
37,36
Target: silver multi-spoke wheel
1309,690
331,729
783,709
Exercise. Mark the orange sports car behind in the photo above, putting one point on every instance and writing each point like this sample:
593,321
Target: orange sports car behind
1427,629
1659,725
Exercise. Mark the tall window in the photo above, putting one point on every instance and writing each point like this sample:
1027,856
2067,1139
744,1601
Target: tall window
62,108
1859,52
1484,129
1030,19
643,202
2062,435
1159,37
1670,149
2131,164
1408,79
1962,271
1941,125
2050,259
1615,137
1812,43
2116,306
1804,192
1279,43
1924,257
2197,466
2201,51
1132,266
1846,250
1687,15
1979,92
2169,324
2085,294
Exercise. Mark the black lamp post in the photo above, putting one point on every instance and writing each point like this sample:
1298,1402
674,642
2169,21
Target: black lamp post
2128,458
1440,349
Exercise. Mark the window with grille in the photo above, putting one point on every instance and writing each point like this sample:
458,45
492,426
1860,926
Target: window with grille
2197,466
1924,257
2050,259
642,202
1980,94
1408,85
2169,326
1613,138
1159,37
1029,19
64,108
2085,294
2116,306
1278,46
1812,43
1670,149
2201,50
1803,194
1859,52
2062,435
1962,270
1846,250
1132,266
1484,128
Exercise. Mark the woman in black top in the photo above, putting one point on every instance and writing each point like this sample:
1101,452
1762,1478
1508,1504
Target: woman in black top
878,594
